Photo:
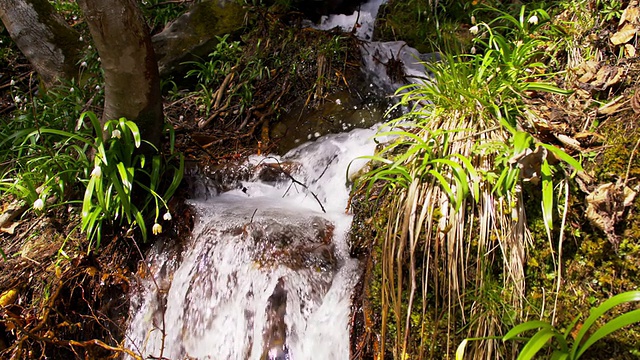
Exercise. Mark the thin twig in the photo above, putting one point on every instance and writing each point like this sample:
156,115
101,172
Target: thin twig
626,177
294,181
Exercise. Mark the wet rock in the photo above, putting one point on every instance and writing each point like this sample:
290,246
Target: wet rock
210,180
297,246
338,112
275,331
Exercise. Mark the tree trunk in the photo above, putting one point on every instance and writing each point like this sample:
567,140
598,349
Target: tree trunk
43,36
132,82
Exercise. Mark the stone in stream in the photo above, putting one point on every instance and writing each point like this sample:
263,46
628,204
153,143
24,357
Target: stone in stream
275,331
294,246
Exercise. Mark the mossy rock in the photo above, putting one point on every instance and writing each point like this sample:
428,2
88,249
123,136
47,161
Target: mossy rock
195,34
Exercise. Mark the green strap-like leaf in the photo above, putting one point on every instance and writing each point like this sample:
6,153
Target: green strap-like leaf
613,325
563,156
596,313
529,325
547,193
539,341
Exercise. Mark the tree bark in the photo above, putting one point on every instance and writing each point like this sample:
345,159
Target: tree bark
49,43
132,81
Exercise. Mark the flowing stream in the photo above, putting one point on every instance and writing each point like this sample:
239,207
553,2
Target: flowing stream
266,273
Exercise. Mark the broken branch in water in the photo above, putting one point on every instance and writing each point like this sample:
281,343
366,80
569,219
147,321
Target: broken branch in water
294,181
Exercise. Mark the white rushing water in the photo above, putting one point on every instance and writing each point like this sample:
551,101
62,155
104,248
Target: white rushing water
266,274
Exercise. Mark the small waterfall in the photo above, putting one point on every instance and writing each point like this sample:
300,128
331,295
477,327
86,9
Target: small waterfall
266,274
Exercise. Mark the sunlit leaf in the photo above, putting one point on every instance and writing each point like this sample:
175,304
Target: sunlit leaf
547,194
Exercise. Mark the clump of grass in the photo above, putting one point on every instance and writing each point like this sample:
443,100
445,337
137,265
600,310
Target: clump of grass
455,172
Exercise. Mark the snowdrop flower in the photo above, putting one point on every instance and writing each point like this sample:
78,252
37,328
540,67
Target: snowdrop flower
473,50
98,87
533,20
167,216
89,47
81,39
38,204
83,64
338,102
72,90
473,19
474,29
156,229
17,99
97,172
13,82
116,134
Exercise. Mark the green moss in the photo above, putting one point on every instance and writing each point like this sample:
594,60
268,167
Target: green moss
212,19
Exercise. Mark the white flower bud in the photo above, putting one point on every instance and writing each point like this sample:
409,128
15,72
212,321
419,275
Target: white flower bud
97,172
474,29
81,39
13,82
156,229
38,204
167,216
116,134
72,90
533,20
83,64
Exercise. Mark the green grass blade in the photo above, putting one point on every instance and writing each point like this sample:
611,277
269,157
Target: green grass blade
547,194
537,342
564,156
529,325
612,326
596,313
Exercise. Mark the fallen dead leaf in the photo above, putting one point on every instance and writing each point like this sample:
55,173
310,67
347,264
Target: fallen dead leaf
630,15
611,107
10,229
606,206
629,51
625,34
8,297
635,101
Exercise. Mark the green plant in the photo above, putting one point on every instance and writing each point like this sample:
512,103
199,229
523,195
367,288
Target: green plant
611,9
459,151
221,61
120,168
159,13
563,348
121,185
